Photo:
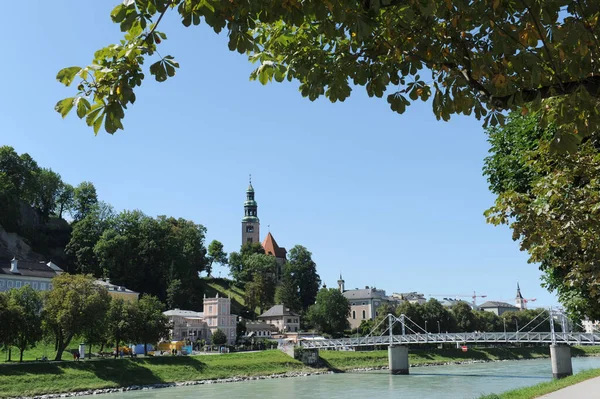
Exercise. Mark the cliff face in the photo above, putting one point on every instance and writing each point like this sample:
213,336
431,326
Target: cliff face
30,238
12,244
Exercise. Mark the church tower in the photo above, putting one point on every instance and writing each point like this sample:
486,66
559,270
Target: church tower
341,284
519,301
250,222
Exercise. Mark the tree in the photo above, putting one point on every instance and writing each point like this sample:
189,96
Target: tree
482,57
72,306
466,320
26,322
219,337
64,199
550,200
303,272
152,324
434,312
488,322
121,321
287,293
330,312
84,237
8,317
85,199
48,183
263,271
215,255
237,260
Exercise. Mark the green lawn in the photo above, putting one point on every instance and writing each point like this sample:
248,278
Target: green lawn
546,387
29,379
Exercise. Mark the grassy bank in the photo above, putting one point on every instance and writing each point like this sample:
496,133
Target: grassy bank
35,378
343,361
39,378
546,387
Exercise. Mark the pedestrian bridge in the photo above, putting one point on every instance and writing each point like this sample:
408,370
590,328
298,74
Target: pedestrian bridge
458,338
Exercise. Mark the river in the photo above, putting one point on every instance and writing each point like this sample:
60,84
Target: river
447,382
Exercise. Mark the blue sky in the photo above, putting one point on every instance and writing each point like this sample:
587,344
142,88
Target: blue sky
392,201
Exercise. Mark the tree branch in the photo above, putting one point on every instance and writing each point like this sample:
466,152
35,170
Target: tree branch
591,84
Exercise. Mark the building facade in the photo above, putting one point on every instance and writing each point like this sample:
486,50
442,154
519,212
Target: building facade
118,291
18,273
195,326
520,302
363,302
282,318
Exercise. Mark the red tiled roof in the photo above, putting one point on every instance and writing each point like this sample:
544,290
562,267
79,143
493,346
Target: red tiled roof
271,248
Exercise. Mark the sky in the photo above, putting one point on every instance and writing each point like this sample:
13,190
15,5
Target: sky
387,200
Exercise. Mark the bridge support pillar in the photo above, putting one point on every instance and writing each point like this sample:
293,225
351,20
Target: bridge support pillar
398,359
560,356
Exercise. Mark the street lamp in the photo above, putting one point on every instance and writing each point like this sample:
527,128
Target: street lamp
439,329
425,326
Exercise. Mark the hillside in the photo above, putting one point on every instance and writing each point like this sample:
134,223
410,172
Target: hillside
225,288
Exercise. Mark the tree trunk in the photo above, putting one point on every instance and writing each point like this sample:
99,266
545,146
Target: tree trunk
145,349
9,353
62,346
21,355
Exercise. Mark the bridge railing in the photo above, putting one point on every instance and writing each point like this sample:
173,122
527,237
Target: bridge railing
480,337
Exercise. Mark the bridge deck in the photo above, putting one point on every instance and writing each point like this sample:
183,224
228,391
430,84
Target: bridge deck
408,339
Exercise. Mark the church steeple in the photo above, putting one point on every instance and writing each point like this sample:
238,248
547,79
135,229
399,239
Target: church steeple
250,222
519,300
341,284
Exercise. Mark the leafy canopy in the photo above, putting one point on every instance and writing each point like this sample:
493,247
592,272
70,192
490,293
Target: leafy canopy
478,57
551,202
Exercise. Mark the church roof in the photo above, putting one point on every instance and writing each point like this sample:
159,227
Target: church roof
250,188
271,248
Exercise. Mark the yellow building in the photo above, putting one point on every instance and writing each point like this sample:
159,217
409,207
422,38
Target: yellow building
117,291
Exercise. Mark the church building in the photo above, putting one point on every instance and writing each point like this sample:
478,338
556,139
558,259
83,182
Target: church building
251,230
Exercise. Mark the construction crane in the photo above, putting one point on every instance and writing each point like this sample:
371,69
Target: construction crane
473,297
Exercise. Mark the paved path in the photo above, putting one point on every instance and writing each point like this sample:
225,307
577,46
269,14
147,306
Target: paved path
589,389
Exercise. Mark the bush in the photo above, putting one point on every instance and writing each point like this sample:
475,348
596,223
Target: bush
219,337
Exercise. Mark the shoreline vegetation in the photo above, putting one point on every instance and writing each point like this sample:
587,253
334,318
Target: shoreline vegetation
53,379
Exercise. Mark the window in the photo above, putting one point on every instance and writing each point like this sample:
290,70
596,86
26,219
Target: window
376,313
364,303
354,314
35,286
249,239
10,284
18,284
250,229
2,283
289,320
364,315
43,286
49,286
210,310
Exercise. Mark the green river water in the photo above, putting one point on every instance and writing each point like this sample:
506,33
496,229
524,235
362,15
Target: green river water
448,382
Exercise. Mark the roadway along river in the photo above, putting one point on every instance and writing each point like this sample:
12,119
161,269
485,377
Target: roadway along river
447,382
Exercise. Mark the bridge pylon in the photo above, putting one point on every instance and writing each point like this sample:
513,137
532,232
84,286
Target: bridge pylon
397,354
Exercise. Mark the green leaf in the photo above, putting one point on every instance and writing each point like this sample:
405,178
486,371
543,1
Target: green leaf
66,75
64,106
82,106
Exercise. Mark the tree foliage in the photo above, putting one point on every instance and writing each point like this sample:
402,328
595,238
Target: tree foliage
219,337
468,57
85,199
550,200
302,272
216,254
330,312
71,306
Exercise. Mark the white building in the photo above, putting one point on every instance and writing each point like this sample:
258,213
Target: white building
187,324
18,273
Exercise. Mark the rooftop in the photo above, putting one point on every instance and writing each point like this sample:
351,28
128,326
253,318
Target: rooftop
40,269
496,304
277,311
183,313
367,293
271,247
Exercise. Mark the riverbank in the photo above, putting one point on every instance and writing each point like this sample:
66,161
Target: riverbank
544,388
93,377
